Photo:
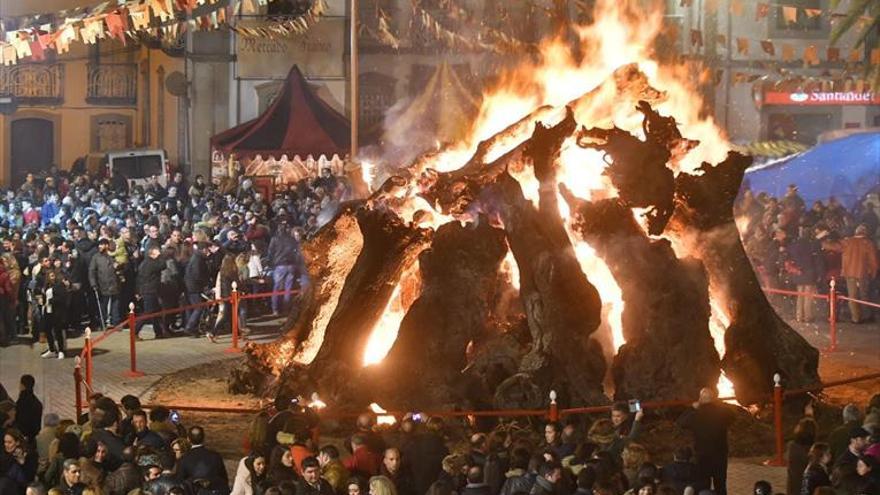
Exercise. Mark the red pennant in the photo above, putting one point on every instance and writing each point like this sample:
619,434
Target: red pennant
37,54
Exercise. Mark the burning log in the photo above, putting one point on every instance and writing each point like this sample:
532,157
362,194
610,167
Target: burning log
329,256
639,170
389,247
669,352
424,367
758,342
561,305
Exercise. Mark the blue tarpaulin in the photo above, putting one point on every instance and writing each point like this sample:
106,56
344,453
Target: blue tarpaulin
846,168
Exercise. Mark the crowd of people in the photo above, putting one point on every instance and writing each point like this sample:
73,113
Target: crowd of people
121,449
802,248
77,249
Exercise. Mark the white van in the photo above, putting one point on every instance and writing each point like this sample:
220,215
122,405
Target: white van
138,166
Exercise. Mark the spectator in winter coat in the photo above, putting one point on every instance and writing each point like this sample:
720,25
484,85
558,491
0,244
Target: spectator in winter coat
103,279
709,420
859,266
816,473
7,314
311,482
148,282
283,257
196,279
804,270
28,409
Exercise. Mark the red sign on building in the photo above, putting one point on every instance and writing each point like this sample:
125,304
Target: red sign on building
818,98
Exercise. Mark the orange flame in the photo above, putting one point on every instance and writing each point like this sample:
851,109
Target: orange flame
623,34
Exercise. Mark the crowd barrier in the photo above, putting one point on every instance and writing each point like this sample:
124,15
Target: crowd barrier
83,372
552,413
832,297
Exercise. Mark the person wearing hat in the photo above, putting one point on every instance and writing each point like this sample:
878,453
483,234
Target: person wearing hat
859,265
845,476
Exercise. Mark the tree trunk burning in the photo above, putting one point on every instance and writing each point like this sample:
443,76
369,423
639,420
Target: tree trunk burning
419,264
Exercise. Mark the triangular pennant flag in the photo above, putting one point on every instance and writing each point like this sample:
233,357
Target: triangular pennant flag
116,26
10,55
762,11
742,46
140,17
768,48
855,55
737,8
832,54
37,54
787,52
696,37
22,47
813,13
789,14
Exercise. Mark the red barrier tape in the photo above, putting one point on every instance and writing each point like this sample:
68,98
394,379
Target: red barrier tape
795,293
263,295
514,412
212,302
858,301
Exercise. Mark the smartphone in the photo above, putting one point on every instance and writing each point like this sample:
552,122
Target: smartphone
635,406
175,417
417,417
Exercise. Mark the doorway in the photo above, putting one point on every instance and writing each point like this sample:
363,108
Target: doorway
33,147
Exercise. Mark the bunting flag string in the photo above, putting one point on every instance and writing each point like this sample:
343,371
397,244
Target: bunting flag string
126,20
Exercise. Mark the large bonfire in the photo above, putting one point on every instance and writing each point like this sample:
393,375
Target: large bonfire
581,240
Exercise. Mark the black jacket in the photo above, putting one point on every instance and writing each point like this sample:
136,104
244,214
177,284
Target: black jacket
517,480
149,275
114,444
102,275
709,425
205,464
323,488
424,453
814,477
28,414
680,475
476,489
542,487
283,250
196,277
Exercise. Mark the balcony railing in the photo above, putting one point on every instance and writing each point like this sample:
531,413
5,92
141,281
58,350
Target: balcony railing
33,84
112,84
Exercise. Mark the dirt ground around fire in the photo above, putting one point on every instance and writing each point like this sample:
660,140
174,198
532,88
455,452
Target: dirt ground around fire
750,436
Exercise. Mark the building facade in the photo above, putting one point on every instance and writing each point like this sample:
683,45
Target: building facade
766,89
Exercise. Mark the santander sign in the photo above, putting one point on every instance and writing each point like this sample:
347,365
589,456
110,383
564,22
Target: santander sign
822,98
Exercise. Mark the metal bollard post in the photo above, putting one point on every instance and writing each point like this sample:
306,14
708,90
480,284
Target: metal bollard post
233,318
132,338
779,458
77,383
88,348
832,315
553,414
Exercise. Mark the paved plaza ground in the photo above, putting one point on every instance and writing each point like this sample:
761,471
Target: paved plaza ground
857,354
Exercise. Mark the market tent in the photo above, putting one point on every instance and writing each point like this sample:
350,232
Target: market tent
846,168
443,112
297,123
